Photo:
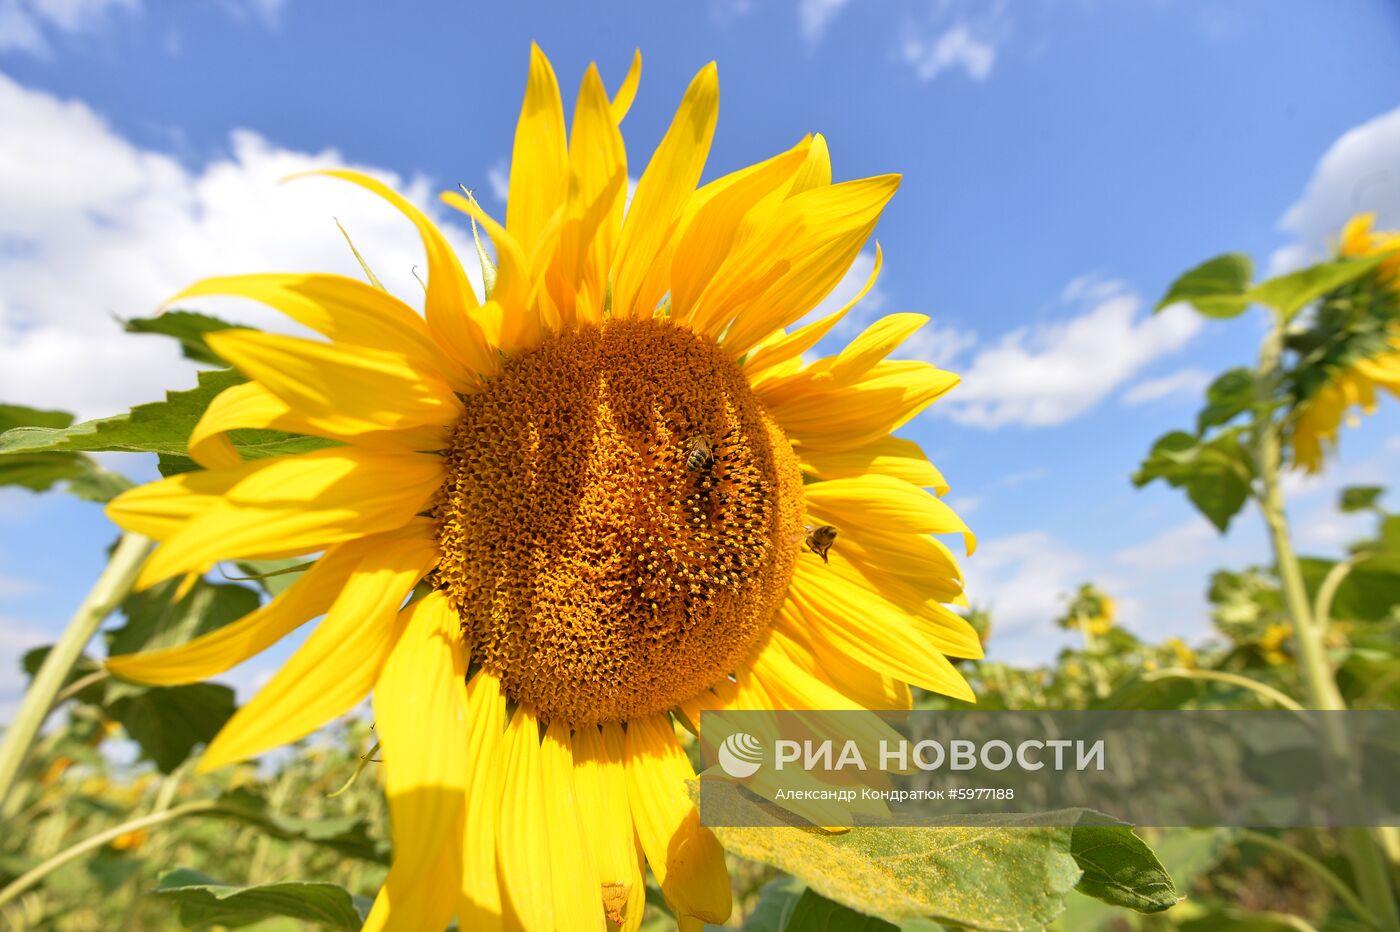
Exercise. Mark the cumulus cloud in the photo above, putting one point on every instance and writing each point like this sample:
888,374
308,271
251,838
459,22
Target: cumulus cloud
1050,373
27,25
1359,172
93,228
1185,382
1021,578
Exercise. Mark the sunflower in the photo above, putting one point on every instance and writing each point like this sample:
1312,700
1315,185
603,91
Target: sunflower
555,525
1368,360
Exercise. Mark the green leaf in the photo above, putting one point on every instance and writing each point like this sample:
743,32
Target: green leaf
189,328
775,903
1228,396
1119,868
1218,287
815,913
85,665
1215,474
159,427
999,878
204,901
1292,292
1360,498
1368,593
40,472
12,416
153,620
169,721
273,576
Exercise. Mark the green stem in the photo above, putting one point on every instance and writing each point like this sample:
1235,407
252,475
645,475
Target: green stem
112,587
1327,592
1281,699
1335,883
1372,878
38,873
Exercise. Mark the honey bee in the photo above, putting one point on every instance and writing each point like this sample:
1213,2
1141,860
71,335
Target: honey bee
699,454
819,539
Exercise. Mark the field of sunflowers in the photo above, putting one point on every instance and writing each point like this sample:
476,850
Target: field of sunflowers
546,526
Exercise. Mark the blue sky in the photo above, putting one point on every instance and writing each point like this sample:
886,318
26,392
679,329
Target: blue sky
1062,161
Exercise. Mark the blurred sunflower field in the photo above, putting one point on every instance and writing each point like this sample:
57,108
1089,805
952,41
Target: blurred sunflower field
503,544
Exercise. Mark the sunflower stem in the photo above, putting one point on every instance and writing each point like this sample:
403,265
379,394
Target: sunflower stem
1319,681
110,590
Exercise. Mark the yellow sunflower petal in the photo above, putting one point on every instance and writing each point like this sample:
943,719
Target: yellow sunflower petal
711,235
664,188
344,310
816,168
334,670
627,92
869,688
420,716
874,343
601,784
450,297
762,362
250,406
212,653
523,843
887,504
512,290
857,622
539,160
892,393
299,504
888,456
347,389
159,509
480,904
794,262
578,900
684,855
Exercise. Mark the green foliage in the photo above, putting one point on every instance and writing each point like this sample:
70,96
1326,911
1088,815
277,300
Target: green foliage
1119,868
161,427
40,472
1216,474
999,878
1292,292
168,722
1229,396
1218,287
189,328
1359,498
154,618
204,901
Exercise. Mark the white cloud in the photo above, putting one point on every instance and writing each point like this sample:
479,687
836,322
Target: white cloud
1189,382
92,227
26,25
1173,548
11,588
956,47
814,16
1048,374
1359,172
1021,578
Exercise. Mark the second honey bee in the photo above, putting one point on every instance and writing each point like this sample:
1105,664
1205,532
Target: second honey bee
700,455
819,539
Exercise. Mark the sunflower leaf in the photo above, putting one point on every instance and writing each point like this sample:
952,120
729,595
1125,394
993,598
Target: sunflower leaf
39,472
1119,868
169,721
985,877
1215,474
1218,287
188,327
203,902
1292,292
154,619
161,427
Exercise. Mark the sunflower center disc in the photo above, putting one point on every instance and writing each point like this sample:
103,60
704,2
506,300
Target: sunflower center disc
620,521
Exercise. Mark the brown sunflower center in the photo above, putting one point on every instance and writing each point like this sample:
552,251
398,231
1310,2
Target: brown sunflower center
619,523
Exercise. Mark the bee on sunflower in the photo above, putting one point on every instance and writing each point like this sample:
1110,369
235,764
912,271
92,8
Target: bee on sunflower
522,557
1351,349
